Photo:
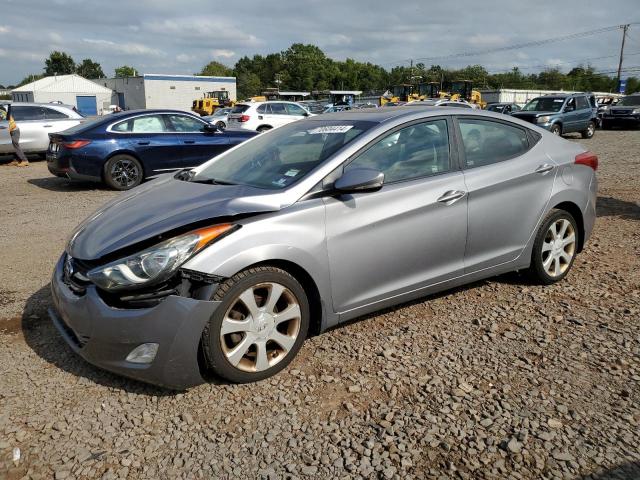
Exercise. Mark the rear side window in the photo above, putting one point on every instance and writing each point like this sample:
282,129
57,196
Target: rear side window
241,108
415,151
185,124
278,109
264,108
22,113
122,127
582,103
51,114
148,124
486,142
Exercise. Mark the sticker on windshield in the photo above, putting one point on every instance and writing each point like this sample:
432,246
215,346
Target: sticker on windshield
558,100
281,182
330,129
292,173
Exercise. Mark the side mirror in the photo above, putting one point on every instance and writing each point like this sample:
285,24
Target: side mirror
360,180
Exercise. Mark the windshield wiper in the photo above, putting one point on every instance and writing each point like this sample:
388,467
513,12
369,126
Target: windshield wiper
211,181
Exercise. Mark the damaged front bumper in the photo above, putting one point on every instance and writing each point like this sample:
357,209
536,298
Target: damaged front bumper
105,335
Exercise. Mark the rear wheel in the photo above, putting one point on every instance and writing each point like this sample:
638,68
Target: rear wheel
123,172
556,129
555,247
259,326
264,128
591,129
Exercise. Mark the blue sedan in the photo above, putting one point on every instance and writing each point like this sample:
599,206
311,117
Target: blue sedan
123,149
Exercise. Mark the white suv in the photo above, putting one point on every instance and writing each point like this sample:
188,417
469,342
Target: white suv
262,116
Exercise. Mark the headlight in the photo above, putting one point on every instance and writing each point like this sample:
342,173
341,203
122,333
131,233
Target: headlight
157,263
636,111
543,119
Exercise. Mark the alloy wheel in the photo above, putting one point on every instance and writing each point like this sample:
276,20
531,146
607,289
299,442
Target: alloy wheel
125,173
260,327
558,247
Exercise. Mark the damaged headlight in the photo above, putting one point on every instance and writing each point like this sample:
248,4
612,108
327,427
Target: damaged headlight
157,263
543,119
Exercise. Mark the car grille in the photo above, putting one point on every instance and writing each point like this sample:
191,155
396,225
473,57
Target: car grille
622,112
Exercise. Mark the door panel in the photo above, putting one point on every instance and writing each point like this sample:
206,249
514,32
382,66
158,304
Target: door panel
154,144
398,239
506,196
194,144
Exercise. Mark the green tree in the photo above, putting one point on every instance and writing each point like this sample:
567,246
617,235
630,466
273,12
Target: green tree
31,78
59,63
125,71
90,69
216,69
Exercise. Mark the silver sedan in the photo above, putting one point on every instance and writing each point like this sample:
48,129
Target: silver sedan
228,267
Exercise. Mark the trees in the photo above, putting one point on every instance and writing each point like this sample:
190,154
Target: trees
59,63
216,69
90,69
125,71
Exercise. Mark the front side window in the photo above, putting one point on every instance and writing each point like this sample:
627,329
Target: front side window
148,124
582,103
486,142
295,110
416,151
185,124
284,156
23,113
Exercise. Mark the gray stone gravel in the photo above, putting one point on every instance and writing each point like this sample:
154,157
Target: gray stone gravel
500,379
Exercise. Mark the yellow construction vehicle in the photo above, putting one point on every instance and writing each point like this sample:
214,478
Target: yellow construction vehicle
399,93
211,102
464,89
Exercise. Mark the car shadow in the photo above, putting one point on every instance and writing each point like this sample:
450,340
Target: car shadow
58,184
43,338
624,471
613,207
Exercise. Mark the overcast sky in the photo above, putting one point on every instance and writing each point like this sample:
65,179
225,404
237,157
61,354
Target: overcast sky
179,37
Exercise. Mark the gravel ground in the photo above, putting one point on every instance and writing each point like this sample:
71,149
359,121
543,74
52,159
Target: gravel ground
500,379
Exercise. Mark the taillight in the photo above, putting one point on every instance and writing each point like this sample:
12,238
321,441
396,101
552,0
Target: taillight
245,118
76,144
587,158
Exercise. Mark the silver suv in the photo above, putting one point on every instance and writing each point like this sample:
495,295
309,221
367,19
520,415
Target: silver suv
36,121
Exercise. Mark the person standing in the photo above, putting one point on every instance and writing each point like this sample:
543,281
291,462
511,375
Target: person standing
14,132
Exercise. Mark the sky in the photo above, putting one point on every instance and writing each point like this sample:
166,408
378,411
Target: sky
180,37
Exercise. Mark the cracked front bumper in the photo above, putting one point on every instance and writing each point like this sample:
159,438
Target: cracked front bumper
104,335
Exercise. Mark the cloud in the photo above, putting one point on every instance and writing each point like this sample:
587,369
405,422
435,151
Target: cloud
4,29
222,53
184,58
136,49
487,40
207,29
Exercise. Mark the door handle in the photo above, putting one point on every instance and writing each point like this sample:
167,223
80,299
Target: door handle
259,117
544,168
451,196
144,143
190,141
48,126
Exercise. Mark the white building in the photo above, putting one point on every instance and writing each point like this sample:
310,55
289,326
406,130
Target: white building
523,96
88,97
164,91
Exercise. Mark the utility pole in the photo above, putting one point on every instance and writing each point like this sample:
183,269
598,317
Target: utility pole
624,35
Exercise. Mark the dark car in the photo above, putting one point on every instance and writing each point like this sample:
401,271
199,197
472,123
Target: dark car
625,112
560,114
123,149
506,108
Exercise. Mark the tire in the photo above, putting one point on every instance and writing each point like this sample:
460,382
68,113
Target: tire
591,129
221,125
123,172
263,129
556,129
555,248
235,355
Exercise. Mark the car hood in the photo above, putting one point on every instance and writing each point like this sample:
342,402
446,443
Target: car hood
161,206
618,108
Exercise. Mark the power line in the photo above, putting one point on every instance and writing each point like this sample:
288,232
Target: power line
558,64
517,46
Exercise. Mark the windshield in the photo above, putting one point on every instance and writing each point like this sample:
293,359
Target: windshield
283,156
544,104
495,108
629,101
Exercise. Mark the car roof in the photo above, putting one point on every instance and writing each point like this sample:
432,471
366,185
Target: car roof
380,115
268,101
38,104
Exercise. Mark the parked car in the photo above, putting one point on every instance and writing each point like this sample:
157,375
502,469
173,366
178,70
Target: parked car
36,121
505,108
441,102
219,118
225,268
313,106
336,108
561,114
625,112
263,116
123,149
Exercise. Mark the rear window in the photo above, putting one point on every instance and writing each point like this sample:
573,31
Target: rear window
240,108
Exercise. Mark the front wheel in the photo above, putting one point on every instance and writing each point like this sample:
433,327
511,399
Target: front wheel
259,326
123,172
556,130
221,125
591,129
555,247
